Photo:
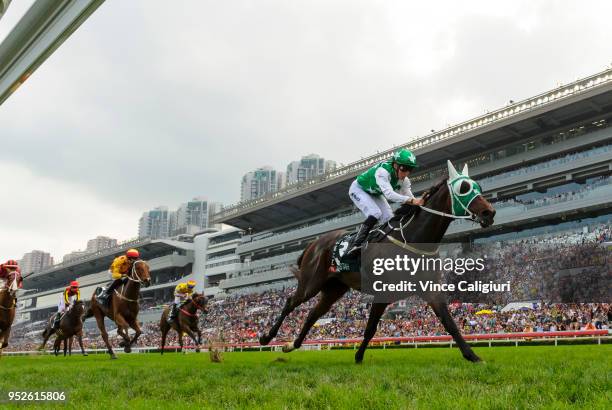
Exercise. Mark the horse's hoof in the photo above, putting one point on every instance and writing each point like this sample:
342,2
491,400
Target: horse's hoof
198,350
127,349
122,343
113,356
473,358
358,360
85,354
264,340
289,347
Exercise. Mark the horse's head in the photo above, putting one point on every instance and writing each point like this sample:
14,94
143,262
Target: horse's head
466,197
199,300
140,273
78,307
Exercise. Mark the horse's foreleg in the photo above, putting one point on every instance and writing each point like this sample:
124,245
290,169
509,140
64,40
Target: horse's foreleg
376,312
100,321
80,340
329,295
66,345
136,326
291,303
441,310
193,337
122,330
180,340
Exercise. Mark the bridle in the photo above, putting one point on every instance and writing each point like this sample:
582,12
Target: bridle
134,277
197,307
454,197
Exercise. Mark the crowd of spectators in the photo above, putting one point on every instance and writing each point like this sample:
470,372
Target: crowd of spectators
243,318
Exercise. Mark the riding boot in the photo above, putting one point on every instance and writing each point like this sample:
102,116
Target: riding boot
105,296
361,236
173,313
57,321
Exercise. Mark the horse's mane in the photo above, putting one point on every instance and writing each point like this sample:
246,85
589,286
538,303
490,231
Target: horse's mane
407,210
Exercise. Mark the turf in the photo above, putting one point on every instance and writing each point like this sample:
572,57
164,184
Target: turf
512,377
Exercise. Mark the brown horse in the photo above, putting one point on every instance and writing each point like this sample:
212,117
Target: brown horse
427,226
71,325
8,301
186,322
123,309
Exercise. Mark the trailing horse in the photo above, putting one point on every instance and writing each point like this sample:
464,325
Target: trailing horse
71,325
123,309
186,322
8,302
452,198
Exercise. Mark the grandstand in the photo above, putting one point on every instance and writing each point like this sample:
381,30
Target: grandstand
545,163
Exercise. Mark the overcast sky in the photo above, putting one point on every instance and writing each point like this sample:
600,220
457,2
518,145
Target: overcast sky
154,102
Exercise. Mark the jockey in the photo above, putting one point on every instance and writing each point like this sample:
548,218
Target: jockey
119,270
182,293
71,294
370,191
6,269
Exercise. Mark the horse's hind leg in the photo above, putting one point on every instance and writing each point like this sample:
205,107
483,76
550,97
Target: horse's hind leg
332,291
441,310
376,312
100,321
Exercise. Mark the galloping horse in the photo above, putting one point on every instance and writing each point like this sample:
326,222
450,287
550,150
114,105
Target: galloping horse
123,308
186,321
70,325
452,198
8,300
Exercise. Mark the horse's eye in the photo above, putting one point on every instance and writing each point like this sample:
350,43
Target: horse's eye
463,188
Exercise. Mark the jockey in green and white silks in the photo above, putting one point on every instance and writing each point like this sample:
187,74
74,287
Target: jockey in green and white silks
371,191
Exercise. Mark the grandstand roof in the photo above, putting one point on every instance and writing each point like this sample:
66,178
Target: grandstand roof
98,262
563,106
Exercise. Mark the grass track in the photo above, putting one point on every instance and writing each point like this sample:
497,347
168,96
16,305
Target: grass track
523,377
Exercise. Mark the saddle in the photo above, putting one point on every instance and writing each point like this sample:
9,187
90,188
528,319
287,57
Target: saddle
341,263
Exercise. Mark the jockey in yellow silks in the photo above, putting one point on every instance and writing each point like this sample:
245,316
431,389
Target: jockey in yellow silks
119,270
70,295
182,294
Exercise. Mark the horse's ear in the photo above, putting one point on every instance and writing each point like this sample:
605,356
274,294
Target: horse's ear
452,172
465,170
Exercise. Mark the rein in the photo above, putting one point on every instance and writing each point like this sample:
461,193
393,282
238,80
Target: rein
133,272
196,312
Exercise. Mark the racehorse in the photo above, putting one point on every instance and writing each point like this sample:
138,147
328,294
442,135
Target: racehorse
454,197
123,308
8,301
186,321
71,325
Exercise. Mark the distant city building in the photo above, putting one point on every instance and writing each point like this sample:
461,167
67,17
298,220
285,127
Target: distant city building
194,216
35,261
260,182
99,243
308,167
154,223
74,256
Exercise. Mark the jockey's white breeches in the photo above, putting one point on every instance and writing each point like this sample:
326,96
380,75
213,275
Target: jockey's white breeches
369,205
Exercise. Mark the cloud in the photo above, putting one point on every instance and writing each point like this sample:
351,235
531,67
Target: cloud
148,104
58,217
